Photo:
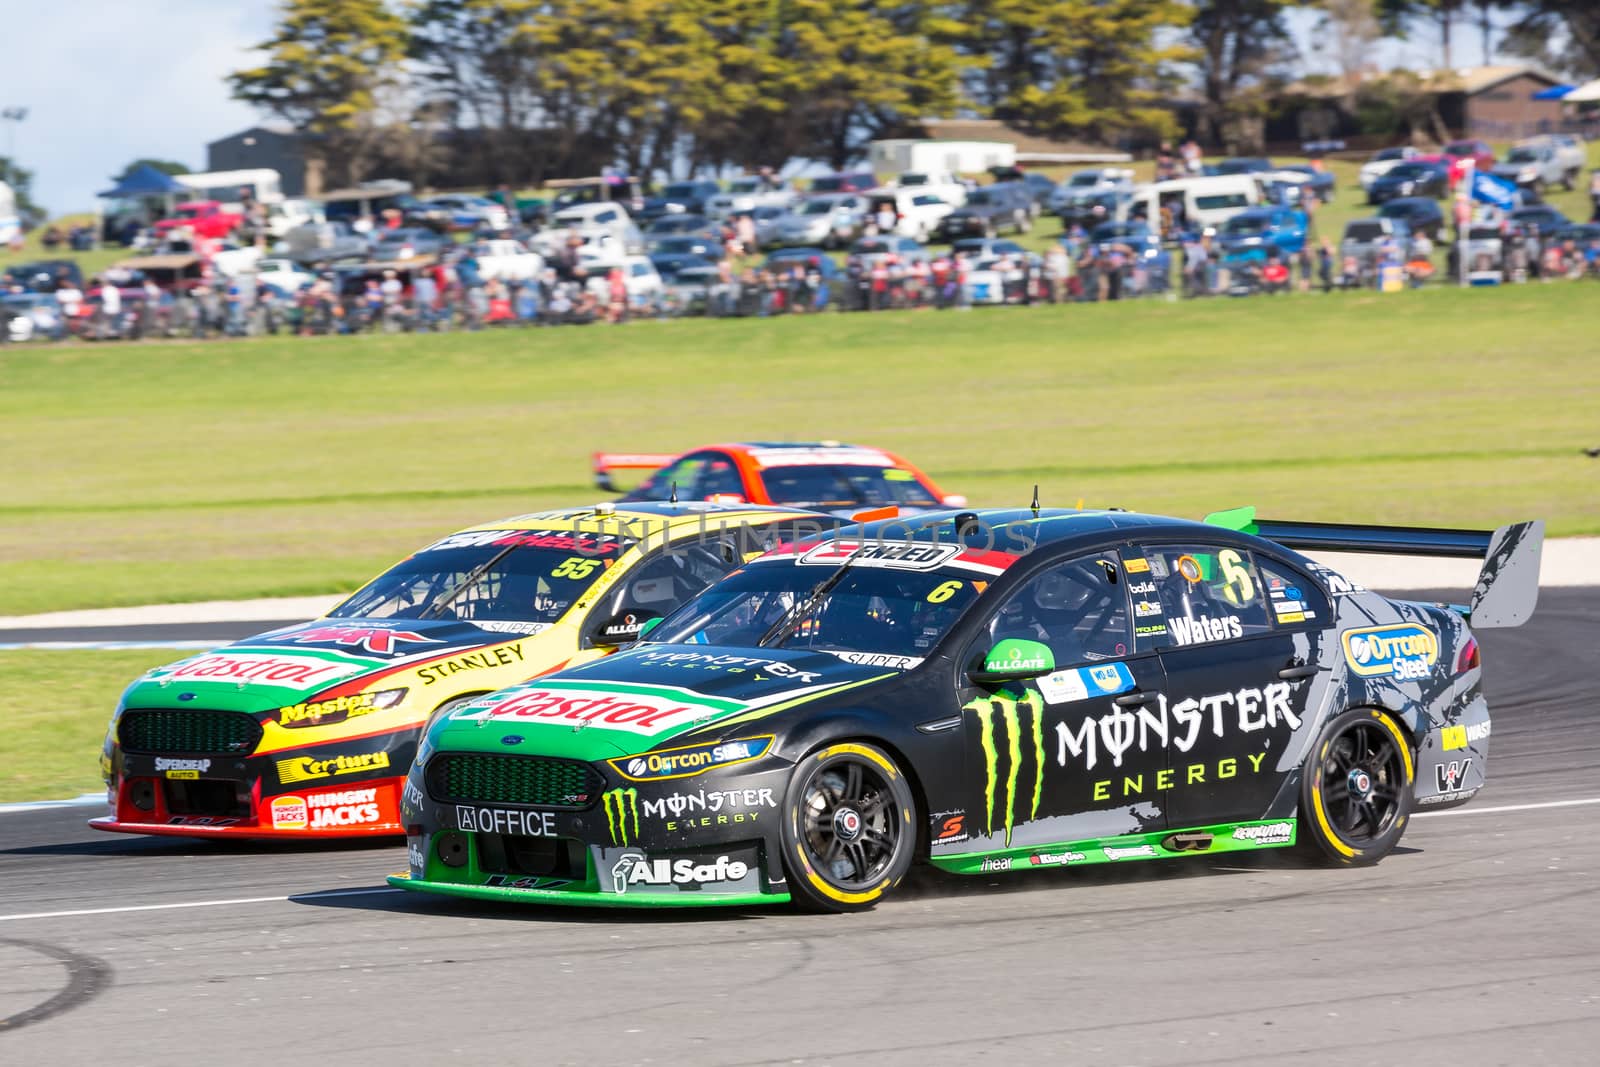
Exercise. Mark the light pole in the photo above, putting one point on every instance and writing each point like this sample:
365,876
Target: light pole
13,116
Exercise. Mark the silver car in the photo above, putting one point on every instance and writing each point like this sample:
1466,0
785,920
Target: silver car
824,221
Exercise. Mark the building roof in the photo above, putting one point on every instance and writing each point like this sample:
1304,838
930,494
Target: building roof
1468,80
1026,144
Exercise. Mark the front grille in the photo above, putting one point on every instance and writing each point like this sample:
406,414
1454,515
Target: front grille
538,857
537,781
186,732
204,797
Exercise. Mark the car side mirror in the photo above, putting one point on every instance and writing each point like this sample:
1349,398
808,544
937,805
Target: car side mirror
1014,660
623,628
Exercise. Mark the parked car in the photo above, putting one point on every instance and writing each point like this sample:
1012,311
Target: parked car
1545,217
283,275
989,210
506,260
1362,237
1481,154
30,315
639,277
1582,232
1322,181
699,245
231,259
459,212
999,279
325,242
766,218
1484,247
1412,178
786,258
985,248
1261,232
1084,186
1143,241
669,264
745,194
845,182
1569,151
679,226
947,187
409,243
680,198
1420,214
40,275
1246,165
870,250
1382,162
1534,166
830,221
917,214
598,223
205,218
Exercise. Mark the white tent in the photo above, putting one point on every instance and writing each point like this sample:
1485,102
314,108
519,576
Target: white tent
1583,93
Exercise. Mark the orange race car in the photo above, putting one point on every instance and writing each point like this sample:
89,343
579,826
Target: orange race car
820,475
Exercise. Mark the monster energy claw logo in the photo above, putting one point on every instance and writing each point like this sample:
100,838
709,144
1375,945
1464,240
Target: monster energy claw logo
620,804
1005,709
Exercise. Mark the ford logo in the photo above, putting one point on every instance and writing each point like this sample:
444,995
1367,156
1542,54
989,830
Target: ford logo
512,739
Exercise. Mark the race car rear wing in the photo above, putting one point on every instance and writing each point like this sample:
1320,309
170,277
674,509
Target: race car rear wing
606,462
1508,582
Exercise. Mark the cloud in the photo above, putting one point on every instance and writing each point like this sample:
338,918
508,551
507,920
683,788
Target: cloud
106,82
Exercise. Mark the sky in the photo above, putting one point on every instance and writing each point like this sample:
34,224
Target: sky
106,82
109,81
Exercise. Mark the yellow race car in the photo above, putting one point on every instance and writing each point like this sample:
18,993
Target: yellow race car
309,730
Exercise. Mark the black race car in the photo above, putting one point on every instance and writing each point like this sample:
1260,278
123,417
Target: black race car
986,691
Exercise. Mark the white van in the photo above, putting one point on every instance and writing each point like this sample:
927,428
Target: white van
1207,201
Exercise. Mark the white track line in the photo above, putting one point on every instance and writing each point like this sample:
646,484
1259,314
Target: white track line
200,904
380,890
1508,807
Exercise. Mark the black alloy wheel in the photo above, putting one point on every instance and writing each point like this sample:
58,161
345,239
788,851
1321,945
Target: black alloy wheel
849,827
1357,790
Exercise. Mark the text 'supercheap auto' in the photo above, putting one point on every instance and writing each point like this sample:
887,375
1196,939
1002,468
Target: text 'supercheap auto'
308,731
982,690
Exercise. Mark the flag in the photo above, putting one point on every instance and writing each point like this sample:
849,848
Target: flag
1489,189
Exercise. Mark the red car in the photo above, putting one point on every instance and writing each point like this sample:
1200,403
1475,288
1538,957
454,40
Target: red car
1458,152
206,218
821,476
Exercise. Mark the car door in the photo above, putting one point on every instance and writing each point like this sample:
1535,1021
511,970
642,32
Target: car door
1063,756
1231,639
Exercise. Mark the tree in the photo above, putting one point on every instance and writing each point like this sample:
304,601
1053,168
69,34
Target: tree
477,69
1240,42
165,166
1348,30
1095,68
325,66
21,181
1398,16
1562,34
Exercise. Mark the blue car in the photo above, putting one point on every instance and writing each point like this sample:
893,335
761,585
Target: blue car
1145,242
1259,233
786,258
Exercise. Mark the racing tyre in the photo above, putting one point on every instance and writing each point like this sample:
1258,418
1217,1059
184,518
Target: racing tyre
849,827
1356,789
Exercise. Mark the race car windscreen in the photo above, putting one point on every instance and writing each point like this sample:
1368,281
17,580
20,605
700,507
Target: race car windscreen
501,576
878,609
844,486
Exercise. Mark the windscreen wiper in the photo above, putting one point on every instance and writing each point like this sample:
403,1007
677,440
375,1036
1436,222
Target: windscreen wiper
466,583
803,610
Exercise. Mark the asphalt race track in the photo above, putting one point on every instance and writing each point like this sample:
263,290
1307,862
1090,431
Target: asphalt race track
1476,942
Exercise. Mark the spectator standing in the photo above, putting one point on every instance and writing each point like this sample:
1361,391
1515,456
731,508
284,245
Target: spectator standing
1325,265
110,308
1193,160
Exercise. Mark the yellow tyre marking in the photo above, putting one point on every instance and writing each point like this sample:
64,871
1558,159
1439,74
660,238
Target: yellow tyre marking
862,751
1322,819
1405,749
827,890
